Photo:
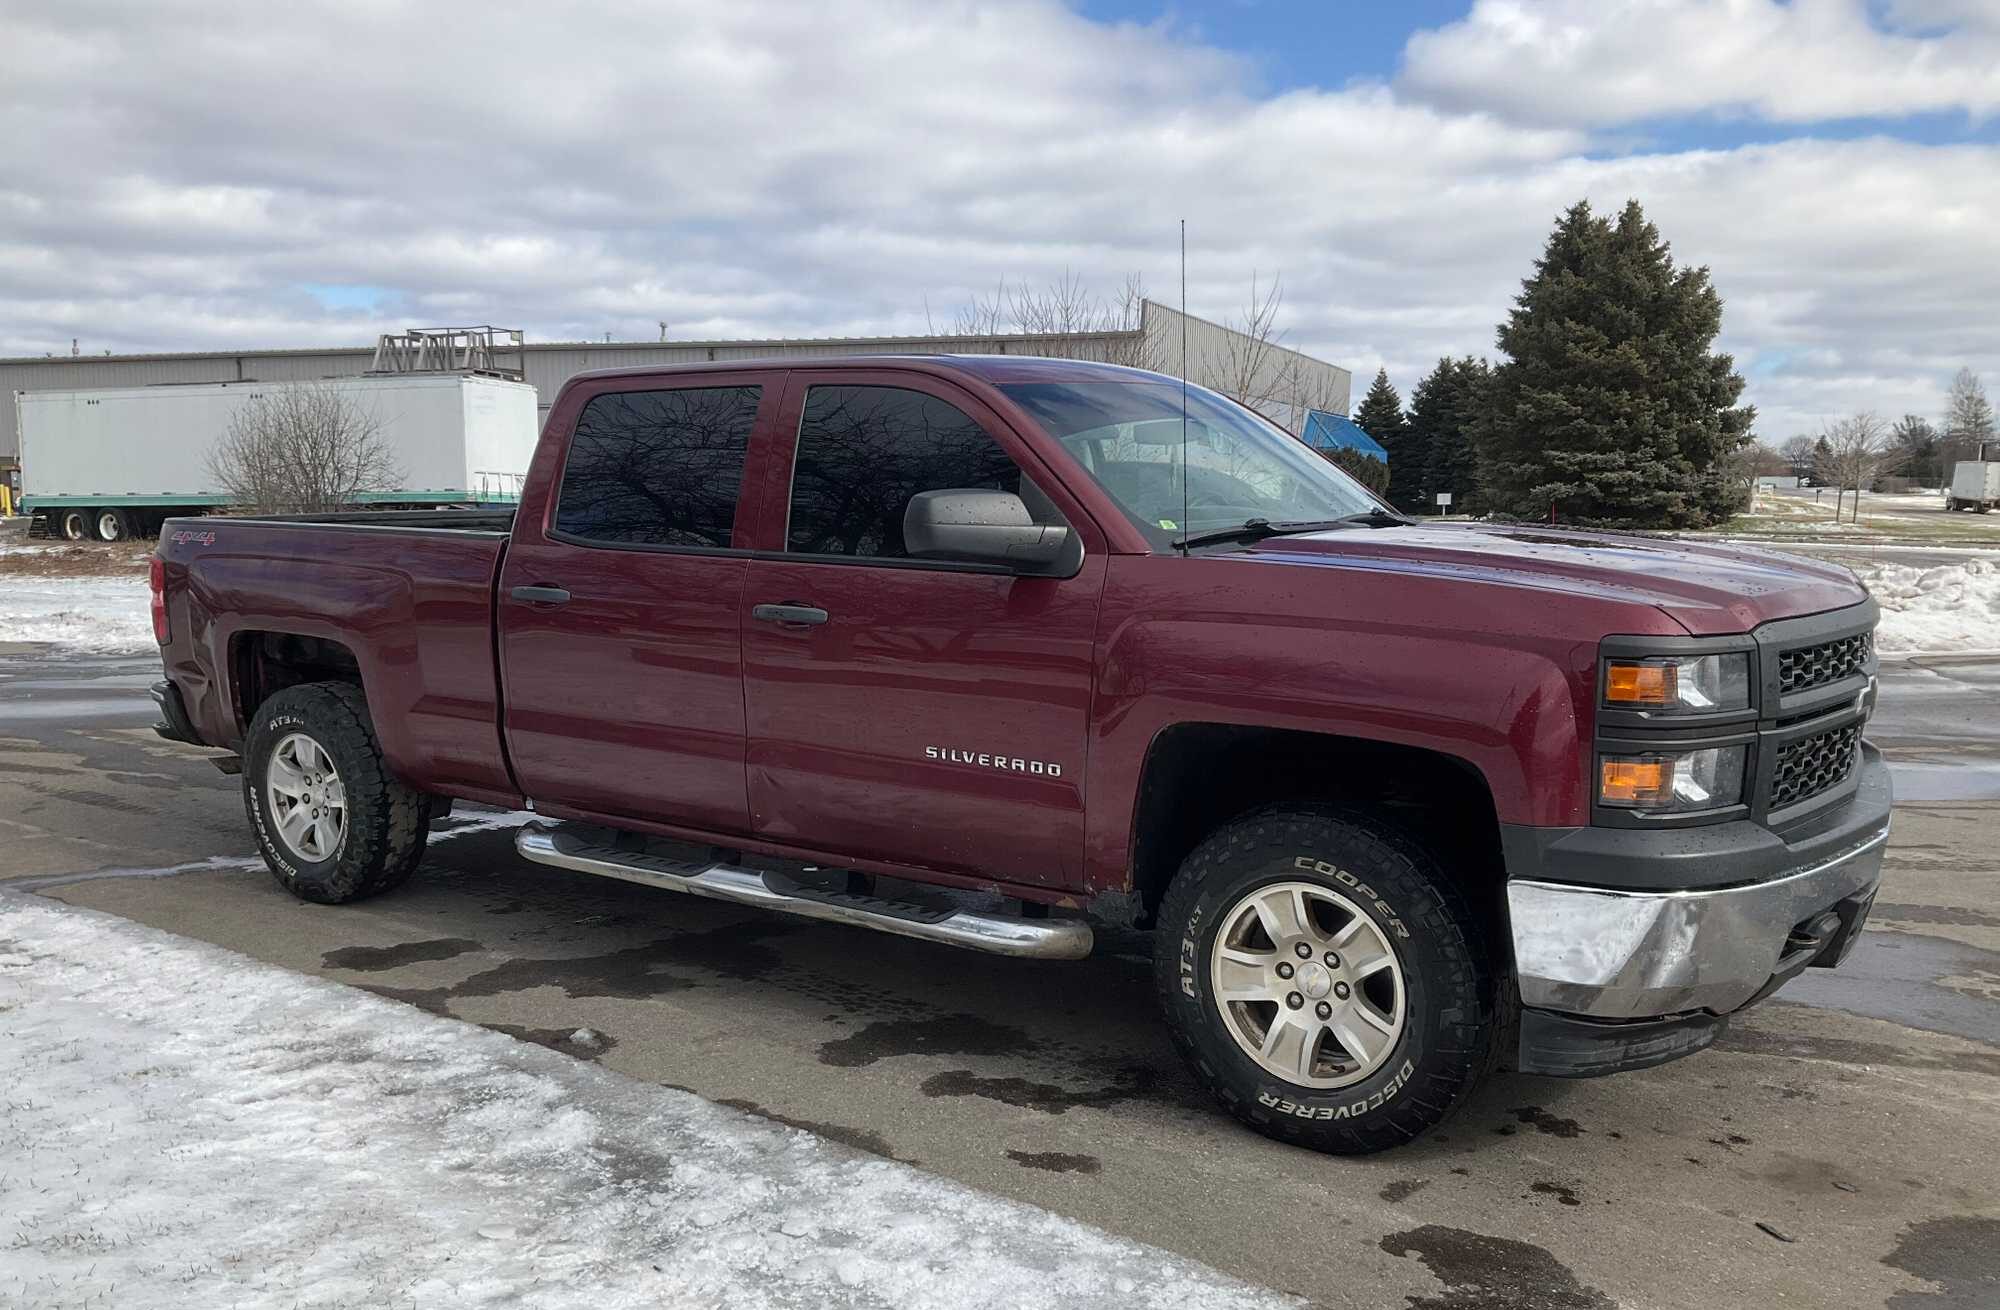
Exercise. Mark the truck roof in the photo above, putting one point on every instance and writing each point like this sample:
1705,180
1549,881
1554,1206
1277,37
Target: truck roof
994,369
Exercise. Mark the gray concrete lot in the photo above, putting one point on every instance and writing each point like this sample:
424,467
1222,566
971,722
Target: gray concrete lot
1856,1117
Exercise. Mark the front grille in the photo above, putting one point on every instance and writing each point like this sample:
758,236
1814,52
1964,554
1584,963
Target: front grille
1813,764
1806,667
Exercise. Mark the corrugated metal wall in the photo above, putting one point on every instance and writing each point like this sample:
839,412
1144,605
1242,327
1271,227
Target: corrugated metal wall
551,364
1281,384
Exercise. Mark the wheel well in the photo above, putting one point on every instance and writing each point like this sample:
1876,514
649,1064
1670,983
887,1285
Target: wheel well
269,662
1199,776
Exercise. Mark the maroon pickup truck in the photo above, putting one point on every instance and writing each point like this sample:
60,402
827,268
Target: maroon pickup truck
851,638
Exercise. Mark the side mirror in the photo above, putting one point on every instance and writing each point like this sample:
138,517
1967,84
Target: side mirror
982,527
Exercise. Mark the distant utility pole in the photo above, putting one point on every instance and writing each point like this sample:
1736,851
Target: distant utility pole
663,329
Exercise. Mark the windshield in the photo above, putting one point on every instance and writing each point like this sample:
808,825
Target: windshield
1233,467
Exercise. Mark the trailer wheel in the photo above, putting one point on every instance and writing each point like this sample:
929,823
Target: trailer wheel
112,525
333,824
1326,980
75,524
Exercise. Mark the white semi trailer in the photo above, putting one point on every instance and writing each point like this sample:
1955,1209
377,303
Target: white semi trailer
1975,485
110,464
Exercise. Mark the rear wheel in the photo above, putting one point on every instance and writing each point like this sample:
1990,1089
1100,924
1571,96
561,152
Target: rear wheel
1326,980
112,525
74,524
333,824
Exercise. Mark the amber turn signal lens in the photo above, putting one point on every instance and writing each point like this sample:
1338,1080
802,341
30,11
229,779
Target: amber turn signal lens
1639,684
1636,782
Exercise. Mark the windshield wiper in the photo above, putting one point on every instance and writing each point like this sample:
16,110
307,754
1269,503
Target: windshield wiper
1258,529
1377,517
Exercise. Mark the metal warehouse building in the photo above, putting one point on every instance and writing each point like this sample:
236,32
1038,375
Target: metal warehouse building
1280,383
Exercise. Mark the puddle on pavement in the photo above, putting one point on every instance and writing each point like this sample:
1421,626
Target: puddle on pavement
1959,1256
1482,1272
94,708
1949,780
1932,983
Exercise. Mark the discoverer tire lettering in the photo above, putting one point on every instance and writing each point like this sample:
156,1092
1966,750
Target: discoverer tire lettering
1451,1011
386,824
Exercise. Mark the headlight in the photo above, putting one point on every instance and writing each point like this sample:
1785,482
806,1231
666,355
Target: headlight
1672,783
1688,684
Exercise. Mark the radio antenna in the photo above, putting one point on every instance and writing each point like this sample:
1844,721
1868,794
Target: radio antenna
1186,530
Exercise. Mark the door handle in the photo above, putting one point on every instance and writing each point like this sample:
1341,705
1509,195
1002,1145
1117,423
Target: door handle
541,595
805,616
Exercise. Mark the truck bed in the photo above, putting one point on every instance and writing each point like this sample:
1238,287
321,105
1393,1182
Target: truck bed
403,597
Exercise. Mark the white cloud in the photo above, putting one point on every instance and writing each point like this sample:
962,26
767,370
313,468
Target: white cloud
1807,61
173,177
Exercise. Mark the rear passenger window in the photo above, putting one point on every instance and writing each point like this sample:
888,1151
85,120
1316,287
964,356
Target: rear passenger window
865,451
658,468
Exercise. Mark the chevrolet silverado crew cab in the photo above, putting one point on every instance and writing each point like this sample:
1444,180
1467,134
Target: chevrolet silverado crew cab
1399,801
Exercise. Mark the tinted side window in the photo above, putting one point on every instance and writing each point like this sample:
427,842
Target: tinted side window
864,451
658,468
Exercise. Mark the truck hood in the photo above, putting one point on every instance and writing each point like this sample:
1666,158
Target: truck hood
1707,589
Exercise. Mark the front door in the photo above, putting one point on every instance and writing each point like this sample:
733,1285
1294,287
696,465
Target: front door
620,646
904,710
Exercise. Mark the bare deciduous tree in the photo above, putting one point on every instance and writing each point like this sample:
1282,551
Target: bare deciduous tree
1859,448
302,448
1249,349
1968,419
1248,363
1062,312
1798,454
1302,388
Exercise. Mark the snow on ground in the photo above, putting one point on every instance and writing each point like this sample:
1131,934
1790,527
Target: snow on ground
186,1127
89,615
1949,607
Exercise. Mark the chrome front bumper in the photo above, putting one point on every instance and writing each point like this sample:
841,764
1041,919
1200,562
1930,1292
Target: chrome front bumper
1609,954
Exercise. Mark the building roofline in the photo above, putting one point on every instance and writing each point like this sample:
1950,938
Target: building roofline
297,352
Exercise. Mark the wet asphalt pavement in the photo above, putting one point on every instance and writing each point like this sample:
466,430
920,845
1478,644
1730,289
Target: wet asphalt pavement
1857,1115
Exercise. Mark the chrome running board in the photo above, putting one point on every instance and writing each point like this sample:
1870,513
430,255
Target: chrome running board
997,934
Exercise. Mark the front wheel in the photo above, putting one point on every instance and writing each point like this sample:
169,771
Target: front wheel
332,822
75,524
1325,980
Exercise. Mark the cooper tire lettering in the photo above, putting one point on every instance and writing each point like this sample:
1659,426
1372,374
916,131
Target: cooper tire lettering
1452,989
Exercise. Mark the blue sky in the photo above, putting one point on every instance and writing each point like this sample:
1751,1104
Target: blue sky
1325,44
1293,43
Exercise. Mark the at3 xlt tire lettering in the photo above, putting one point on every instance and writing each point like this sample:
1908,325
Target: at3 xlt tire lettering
386,823
1450,1009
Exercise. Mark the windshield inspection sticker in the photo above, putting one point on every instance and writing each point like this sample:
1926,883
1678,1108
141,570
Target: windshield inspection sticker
1170,525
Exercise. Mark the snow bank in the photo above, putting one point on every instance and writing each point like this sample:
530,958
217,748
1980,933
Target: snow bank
1949,607
98,616
188,1127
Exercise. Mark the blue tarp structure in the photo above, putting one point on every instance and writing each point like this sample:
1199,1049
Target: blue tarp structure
1326,430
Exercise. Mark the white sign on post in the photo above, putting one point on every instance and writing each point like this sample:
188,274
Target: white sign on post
1444,498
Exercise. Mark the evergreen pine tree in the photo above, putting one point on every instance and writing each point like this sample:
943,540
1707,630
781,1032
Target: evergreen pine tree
1381,417
1610,405
1447,406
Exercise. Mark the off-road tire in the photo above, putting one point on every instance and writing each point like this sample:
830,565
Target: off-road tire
387,823
1452,1013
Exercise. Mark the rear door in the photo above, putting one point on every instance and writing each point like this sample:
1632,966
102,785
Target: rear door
902,710
619,600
